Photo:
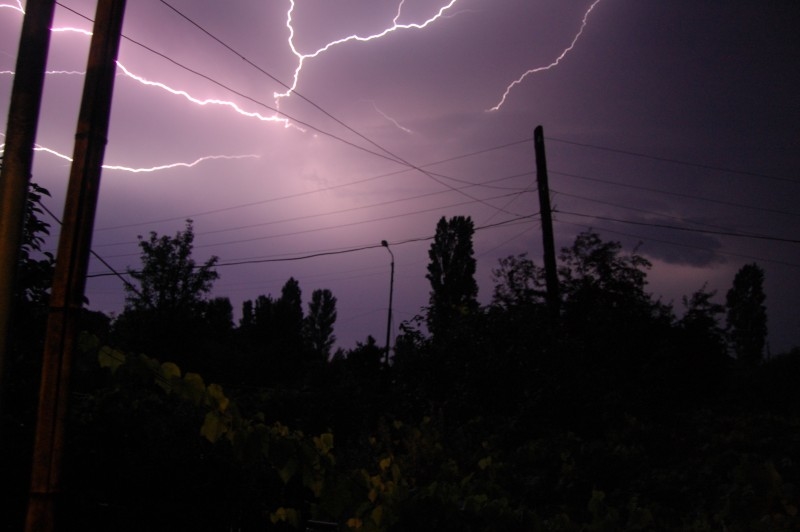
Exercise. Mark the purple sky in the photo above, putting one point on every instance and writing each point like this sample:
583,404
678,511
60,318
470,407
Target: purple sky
698,87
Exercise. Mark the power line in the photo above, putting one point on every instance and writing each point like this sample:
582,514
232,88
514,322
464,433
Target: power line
346,250
677,194
391,154
242,95
514,195
643,211
274,78
677,244
429,174
387,153
675,161
517,192
105,263
339,226
335,187
687,229
413,167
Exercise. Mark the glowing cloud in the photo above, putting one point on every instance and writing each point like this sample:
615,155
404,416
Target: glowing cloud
555,63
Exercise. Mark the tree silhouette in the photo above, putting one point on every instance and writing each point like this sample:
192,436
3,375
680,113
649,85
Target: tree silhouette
319,322
747,315
451,272
609,321
601,284
169,279
518,282
164,315
701,319
273,330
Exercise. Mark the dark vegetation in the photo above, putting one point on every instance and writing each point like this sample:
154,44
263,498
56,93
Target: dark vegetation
624,414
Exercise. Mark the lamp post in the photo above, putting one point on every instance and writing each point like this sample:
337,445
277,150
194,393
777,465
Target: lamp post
385,244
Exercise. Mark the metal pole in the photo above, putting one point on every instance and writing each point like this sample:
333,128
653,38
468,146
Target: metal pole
385,244
551,275
66,299
23,117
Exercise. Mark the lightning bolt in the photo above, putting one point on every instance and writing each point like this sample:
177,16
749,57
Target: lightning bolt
555,63
390,119
182,93
17,7
67,29
176,165
54,72
204,102
143,81
396,26
133,170
176,92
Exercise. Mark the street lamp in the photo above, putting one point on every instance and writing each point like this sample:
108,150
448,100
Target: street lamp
385,244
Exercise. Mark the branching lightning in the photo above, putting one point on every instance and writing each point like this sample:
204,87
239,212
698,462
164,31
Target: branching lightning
443,12
143,81
555,63
176,92
301,57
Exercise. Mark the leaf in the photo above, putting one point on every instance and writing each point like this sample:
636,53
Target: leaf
110,358
288,470
88,342
194,388
316,487
214,426
324,442
216,393
167,373
385,463
377,514
170,370
354,522
287,515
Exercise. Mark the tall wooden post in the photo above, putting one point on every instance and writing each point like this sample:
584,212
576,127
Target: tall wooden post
551,274
66,299
23,117
385,244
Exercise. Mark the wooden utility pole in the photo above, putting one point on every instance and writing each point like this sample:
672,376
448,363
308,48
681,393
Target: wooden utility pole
66,298
23,117
385,244
551,274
